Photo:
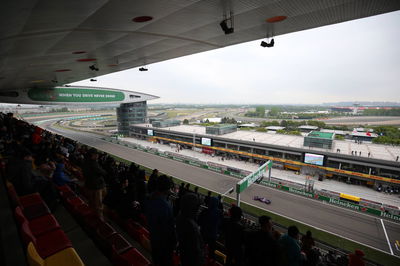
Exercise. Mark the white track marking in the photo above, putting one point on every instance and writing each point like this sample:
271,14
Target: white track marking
387,238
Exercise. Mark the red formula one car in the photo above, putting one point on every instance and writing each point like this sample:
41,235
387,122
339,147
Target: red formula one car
262,199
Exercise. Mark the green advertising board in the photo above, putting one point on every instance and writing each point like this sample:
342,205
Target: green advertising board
251,178
74,95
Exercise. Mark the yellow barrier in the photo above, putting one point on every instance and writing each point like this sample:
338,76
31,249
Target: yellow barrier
349,197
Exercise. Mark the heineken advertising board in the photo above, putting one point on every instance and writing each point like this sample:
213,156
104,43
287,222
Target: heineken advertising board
75,95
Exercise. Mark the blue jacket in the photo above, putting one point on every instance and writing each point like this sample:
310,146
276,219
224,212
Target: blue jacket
59,177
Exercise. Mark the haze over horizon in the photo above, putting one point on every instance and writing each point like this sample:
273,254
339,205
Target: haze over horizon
351,61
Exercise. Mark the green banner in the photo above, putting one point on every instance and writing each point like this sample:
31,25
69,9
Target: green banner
195,163
74,95
251,178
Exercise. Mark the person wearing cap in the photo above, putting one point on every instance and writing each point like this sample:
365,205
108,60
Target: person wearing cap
356,258
94,181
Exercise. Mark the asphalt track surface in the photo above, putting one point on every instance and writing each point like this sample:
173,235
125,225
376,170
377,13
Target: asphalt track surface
352,225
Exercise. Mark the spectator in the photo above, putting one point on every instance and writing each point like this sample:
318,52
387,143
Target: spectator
356,258
196,192
151,184
307,243
161,223
177,204
94,181
220,203
124,200
19,172
46,167
207,198
187,188
59,177
261,247
191,244
234,237
291,252
210,220
140,186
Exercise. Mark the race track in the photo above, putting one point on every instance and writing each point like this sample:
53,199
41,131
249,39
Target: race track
349,224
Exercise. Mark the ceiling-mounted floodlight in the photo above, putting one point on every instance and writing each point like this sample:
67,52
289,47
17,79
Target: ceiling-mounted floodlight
225,28
266,44
143,69
93,79
93,67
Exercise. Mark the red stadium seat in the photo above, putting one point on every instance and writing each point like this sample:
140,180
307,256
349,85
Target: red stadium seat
91,222
32,205
83,211
73,202
119,243
66,192
38,225
24,201
105,230
133,229
132,257
31,199
64,188
34,211
48,243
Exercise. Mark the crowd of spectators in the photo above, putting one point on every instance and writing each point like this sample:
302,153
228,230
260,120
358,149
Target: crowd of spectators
179,219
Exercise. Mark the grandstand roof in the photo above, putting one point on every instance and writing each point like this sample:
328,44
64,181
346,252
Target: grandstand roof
44,44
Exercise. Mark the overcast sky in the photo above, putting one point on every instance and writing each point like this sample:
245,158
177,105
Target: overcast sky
352,61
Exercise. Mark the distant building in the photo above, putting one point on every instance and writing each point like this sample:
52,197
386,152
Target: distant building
129,114
247,125
221,129
319,139
274,128
307,128
166,123
153,119
363,136
361,129
336,132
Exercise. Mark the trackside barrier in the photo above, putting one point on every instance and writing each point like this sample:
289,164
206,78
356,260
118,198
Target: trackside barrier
316,195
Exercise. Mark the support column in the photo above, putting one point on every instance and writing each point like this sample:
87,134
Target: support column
238,199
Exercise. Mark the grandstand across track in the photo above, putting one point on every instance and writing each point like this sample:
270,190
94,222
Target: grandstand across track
355,226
